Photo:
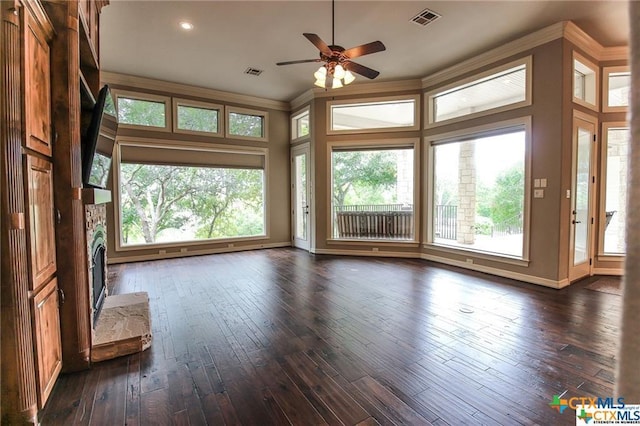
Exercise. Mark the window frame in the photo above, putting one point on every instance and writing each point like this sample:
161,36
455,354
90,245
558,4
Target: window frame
294,124
246,111
178,102
607,71
491,129
576,57
371,101
429,96
375,144
140,96
193,146
602,207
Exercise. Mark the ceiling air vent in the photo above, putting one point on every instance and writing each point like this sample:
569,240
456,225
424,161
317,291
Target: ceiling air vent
253,71
425,17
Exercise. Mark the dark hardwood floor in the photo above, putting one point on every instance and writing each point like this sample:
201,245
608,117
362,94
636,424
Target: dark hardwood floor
280,336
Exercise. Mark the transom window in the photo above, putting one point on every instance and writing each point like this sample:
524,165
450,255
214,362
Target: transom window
143,110
505,87
479,192
585,82
246,124
617,90
196,117
383,114
300,125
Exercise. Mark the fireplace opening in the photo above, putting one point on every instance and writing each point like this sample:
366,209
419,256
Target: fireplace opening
98,278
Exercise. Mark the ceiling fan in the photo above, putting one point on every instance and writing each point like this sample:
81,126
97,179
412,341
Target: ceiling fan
337,67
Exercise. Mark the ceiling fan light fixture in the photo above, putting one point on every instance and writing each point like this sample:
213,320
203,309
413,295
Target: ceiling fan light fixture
348,77
320,83
339,72
337,83
321,74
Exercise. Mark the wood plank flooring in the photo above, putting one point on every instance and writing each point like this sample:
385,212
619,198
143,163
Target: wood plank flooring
284,337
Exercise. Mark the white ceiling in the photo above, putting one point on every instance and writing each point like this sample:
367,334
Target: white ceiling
143,37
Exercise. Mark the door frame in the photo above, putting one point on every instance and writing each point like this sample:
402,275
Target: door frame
587,122
302,149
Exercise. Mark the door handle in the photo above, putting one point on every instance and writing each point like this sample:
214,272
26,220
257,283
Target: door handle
575,221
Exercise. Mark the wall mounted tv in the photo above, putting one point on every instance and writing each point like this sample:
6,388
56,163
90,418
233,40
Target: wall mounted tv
97,146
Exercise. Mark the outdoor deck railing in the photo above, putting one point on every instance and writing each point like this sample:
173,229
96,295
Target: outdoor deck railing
374,221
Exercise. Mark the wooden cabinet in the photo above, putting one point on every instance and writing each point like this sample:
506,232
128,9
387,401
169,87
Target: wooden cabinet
46,333
37,78
41,231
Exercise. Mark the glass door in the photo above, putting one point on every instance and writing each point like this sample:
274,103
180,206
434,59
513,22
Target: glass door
300,199
582,195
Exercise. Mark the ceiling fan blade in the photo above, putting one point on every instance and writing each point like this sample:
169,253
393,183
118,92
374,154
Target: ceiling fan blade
319,43
302,61
361,69
365,49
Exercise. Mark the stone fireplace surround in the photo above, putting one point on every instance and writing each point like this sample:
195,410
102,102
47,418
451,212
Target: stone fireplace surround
120,324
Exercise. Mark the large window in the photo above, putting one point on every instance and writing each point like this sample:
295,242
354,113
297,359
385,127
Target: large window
372,192
505,87
144,110
616,163
382,114
169,194
479,192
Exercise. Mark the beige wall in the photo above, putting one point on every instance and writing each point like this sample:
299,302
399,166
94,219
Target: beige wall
277,177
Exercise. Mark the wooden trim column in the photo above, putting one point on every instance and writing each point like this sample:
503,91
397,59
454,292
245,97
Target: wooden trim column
70,233
19,402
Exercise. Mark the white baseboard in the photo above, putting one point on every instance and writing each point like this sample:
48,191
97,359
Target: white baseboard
171,255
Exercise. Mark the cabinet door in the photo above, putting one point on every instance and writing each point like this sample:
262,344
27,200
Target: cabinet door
37,88
46,325
39,177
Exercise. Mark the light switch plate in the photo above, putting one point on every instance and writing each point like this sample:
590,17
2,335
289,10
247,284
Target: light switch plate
536,183
543,183
538,193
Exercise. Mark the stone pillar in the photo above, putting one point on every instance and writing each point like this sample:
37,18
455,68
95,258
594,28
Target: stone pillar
466,216
628,374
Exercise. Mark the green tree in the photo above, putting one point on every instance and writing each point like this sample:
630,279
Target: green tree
145,113
154,193
246,125
362,169
508,197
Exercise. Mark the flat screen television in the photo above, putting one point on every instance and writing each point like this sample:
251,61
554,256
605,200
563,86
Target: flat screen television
97,147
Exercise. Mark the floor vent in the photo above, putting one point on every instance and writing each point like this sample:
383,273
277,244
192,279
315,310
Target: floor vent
253,71
425,17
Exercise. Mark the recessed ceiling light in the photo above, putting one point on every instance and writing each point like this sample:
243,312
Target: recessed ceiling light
187,26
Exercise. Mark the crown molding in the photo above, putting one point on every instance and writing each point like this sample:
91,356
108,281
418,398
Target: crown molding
182,90
540,37
564,29
302,99
617,53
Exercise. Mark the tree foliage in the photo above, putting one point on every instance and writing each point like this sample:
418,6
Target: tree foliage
362,170
199,201
508,197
